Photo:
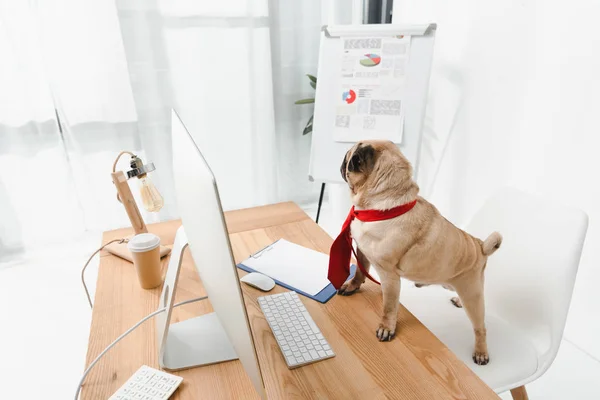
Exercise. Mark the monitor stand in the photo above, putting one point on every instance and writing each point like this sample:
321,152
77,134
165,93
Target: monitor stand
193,342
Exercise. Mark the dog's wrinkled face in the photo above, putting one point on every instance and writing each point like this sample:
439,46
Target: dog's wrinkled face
358,163
372,166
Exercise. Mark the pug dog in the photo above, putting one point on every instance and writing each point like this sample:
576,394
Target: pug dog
420,245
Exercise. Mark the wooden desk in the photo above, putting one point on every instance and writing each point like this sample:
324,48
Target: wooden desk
415,365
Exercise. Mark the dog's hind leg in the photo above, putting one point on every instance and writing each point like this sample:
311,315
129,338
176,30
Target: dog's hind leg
352,285
471,295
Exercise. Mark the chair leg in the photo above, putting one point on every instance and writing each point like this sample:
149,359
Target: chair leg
519,393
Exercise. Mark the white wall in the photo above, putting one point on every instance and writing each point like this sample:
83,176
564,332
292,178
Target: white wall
514,95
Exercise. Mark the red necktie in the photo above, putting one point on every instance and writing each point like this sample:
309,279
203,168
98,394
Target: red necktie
342,249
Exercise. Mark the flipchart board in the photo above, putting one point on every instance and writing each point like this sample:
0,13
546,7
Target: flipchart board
349,85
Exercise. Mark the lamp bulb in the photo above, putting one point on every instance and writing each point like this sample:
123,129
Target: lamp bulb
151,198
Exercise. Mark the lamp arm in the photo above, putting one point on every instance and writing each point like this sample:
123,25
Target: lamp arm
119,156
126,197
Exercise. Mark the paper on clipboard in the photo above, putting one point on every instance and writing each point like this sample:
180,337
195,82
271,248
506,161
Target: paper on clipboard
302,268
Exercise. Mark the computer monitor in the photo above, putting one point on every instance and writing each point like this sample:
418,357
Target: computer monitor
204,224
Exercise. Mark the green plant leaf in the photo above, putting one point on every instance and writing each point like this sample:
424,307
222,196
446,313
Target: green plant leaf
312,78
304,101
313,84
309,126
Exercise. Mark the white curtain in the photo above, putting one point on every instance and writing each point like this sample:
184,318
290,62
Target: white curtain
236,69
60,58
110,74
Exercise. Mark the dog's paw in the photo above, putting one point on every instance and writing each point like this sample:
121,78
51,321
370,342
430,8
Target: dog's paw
349,288
481,358
456,301
385,333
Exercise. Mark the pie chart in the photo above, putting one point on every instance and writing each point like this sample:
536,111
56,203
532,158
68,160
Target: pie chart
349,96
370,60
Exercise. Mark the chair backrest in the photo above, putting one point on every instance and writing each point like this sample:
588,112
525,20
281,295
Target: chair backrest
529,280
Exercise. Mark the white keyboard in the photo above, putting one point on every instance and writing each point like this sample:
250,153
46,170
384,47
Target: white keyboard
299,338
148,384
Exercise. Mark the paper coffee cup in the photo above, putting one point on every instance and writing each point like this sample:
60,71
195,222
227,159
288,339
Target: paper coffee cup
145,251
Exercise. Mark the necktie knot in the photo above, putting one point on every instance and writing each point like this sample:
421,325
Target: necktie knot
341,250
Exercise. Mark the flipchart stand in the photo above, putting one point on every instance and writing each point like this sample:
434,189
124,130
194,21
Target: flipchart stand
326,153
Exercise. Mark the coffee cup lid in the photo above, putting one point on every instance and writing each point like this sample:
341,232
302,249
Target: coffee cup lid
143,242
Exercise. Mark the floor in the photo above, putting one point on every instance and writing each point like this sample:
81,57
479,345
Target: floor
44,350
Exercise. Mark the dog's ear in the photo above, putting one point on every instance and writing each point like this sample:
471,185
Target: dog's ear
363,159
344,165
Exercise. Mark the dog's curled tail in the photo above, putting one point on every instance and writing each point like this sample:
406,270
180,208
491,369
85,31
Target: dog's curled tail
491,244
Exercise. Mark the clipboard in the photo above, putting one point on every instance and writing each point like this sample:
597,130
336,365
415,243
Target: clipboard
323,296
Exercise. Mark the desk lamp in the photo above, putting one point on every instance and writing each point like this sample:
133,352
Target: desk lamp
151,199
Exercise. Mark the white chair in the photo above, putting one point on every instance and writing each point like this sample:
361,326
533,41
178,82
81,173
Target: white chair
528,288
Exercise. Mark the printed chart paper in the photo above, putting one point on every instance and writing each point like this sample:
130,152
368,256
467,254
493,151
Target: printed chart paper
371,90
